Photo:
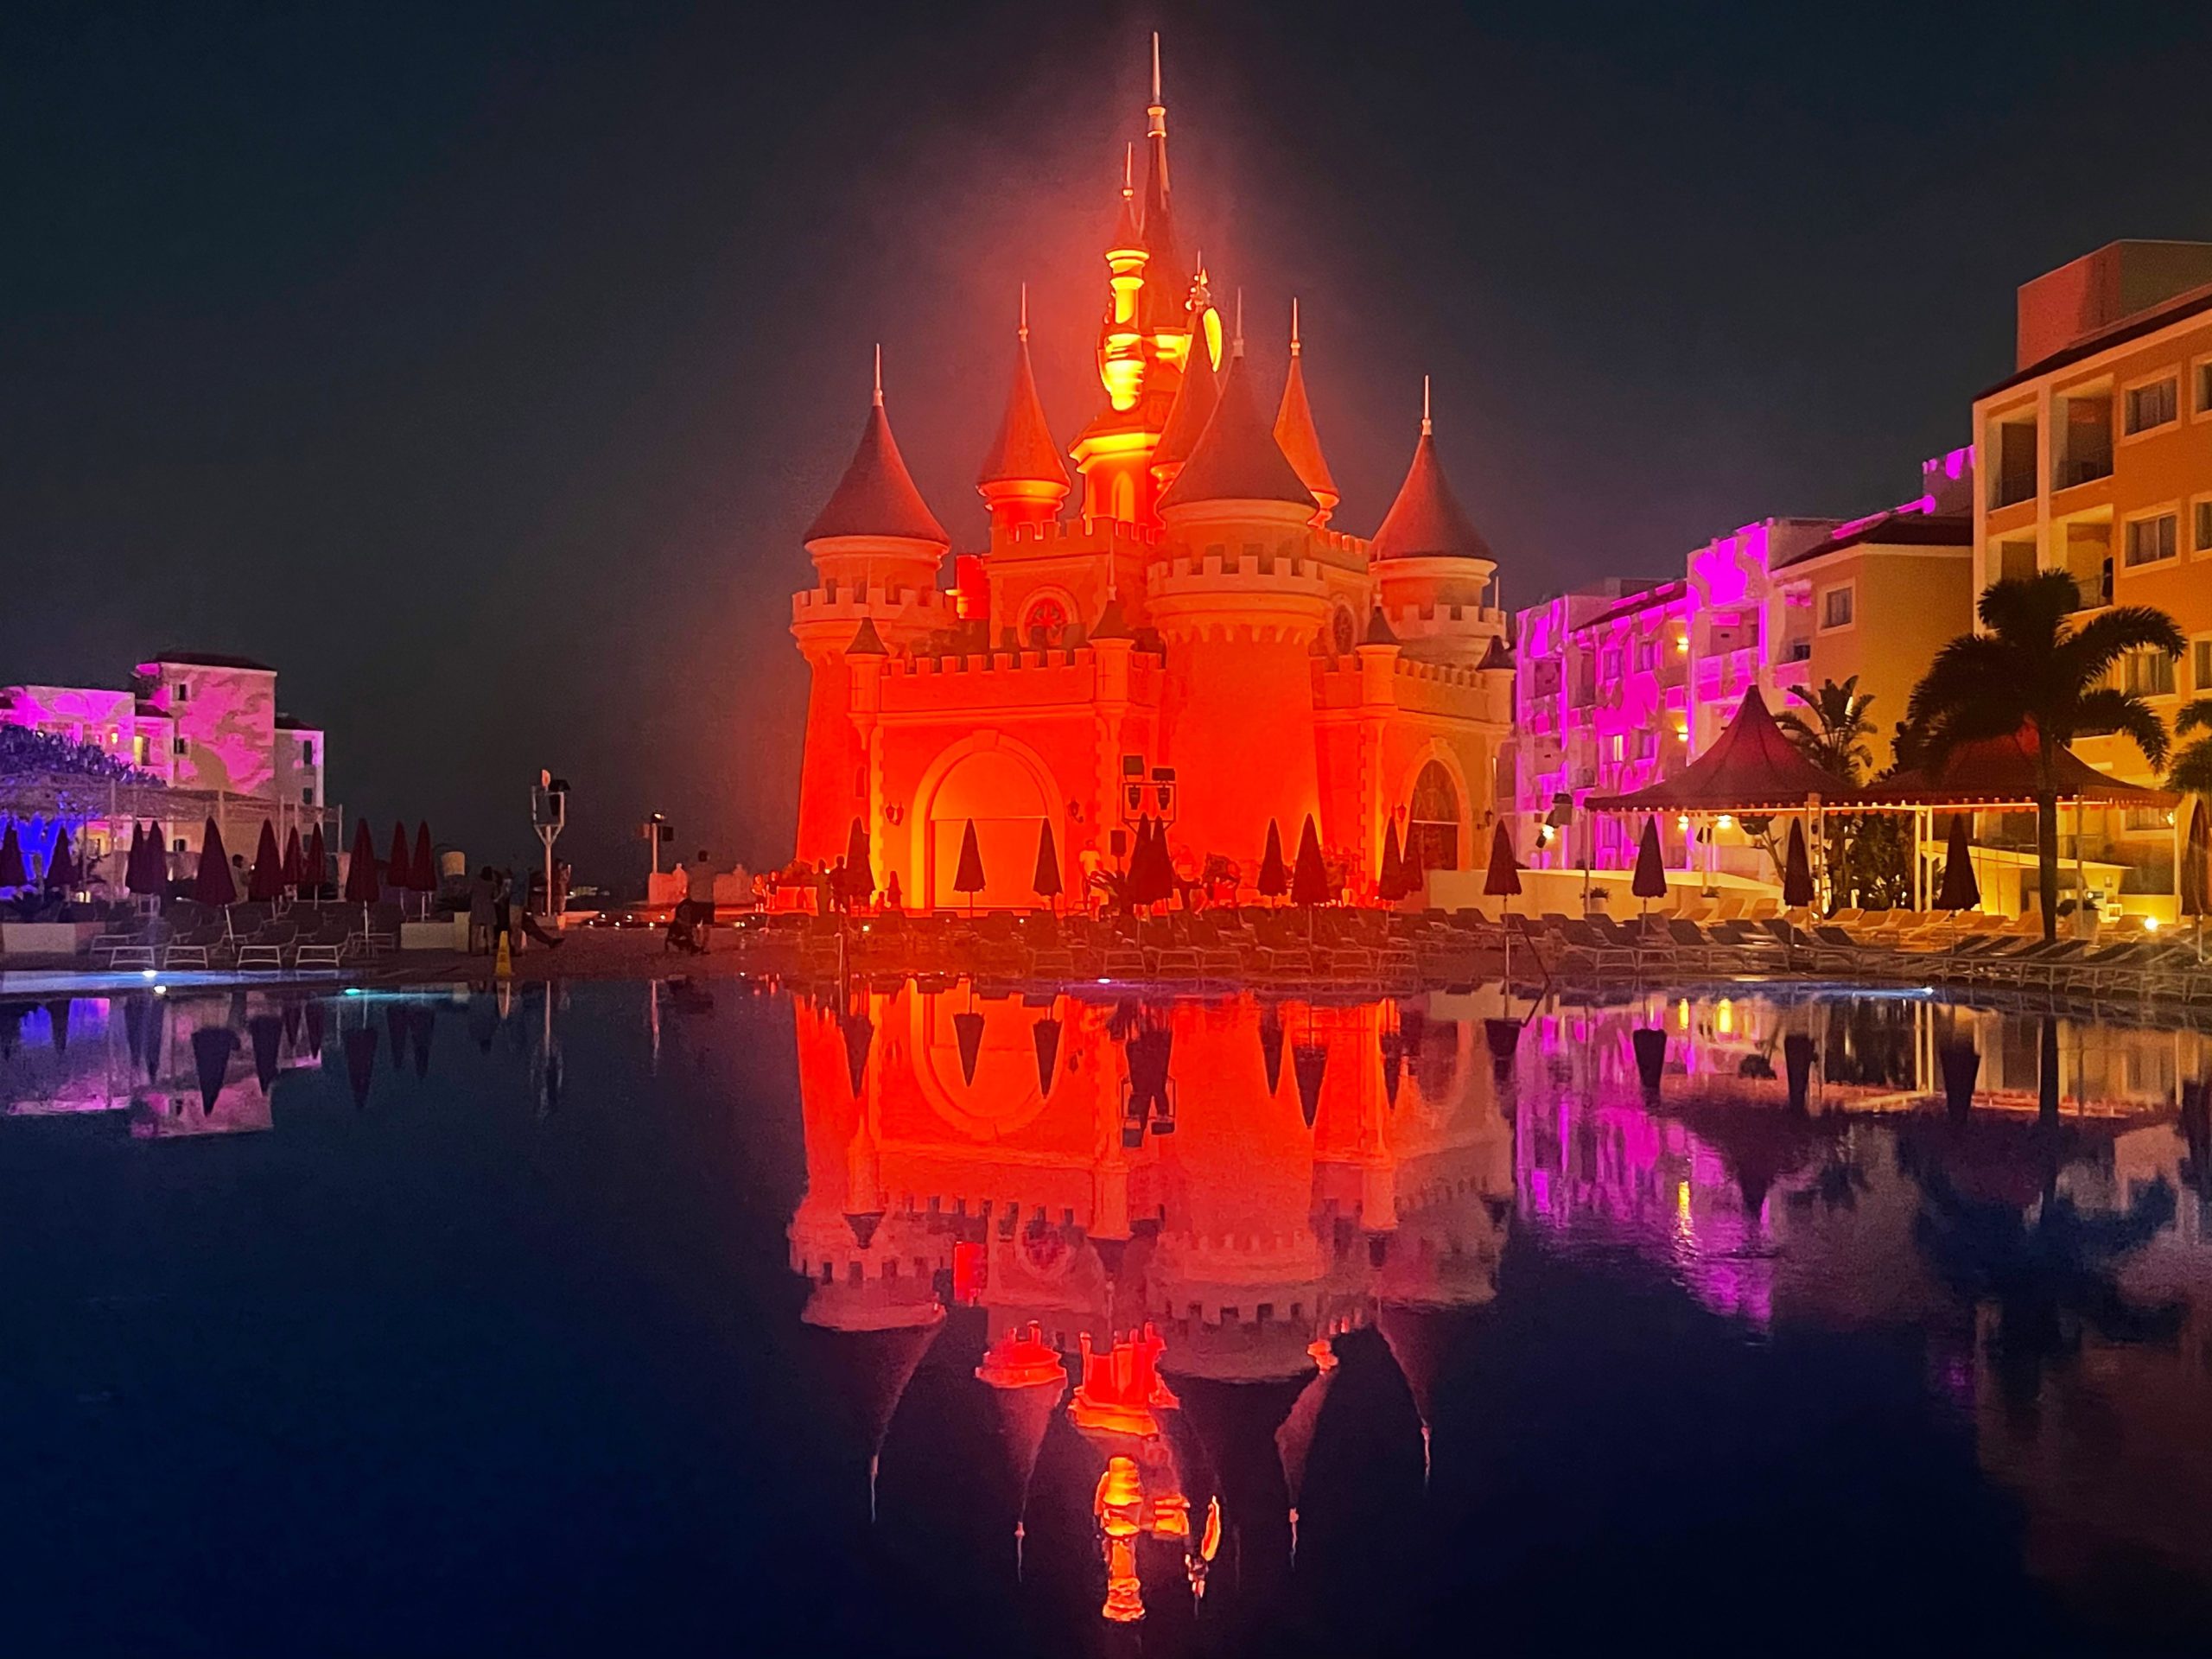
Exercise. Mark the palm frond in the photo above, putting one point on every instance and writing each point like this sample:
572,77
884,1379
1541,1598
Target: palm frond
2196,718
2106,638
2029,610
2192,770
1973,671
2110,710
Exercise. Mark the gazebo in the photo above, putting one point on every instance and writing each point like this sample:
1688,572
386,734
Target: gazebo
1752,767
2001,774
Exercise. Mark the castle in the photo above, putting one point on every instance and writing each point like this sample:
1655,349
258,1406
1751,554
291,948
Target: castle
1196,645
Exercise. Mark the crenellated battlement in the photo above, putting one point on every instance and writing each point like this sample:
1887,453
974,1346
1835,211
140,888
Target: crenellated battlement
1215,570
832,601
1027,679
1078,536
1344,542
1475,620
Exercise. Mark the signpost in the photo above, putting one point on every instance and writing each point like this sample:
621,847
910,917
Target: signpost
549,815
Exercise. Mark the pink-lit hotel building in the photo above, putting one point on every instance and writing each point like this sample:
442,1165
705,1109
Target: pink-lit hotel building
1620,683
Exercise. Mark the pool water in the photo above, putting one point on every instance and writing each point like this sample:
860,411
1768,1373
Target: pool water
687,1317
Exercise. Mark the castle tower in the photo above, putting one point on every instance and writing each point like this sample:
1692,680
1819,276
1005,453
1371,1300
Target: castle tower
1240,601
1023,478
1297,435
1428,557
1186,419
1143,340
876,548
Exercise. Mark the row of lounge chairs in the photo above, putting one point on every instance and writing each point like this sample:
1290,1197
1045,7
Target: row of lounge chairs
248,938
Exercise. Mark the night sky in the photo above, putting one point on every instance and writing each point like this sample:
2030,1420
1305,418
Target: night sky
479,367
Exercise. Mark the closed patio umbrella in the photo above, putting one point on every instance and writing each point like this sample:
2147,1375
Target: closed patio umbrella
294,867
1412,874
1650,879
1309,877
1796,869
61,871
213,885
1390,880
1503,881
399,863
316,870
422,869
1045,880
12,873
860,868
1274,875
968,878
361,887
1960,890
266,884
142,871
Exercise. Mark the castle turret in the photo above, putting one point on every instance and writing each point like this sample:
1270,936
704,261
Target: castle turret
1023,478
1432,568
876,548
1298,438
1186,421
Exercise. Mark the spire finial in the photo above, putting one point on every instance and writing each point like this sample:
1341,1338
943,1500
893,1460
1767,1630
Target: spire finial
1239,321
1129,168
1156,127
1294,325
1022,332
1155,67
878,374
1424,406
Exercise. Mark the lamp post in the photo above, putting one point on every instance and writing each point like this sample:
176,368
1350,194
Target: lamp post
549,815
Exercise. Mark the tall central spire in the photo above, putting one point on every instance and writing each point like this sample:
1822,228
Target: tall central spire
1159,214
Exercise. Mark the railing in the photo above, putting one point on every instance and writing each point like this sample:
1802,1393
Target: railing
2083,469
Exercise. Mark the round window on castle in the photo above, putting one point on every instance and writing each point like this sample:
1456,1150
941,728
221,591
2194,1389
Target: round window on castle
1344,631
1045,625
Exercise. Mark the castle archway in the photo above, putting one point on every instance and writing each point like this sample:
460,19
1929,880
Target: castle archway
1006,792
1433,817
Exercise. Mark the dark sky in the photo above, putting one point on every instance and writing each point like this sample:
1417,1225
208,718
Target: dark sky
478,367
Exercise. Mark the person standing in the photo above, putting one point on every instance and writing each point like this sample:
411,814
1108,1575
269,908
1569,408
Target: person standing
503,909
479,912
699,890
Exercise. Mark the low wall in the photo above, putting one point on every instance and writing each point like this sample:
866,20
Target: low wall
1561,892
46,939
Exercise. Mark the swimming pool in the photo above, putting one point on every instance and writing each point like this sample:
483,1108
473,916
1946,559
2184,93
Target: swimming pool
684,1317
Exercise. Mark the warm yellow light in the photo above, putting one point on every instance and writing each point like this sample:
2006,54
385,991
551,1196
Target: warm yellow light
2150,923
1683,1200
1724,821
1724,1017
1683,1015
1683,822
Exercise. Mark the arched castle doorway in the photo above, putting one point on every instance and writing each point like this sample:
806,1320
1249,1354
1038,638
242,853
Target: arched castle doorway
1002,791
1433,819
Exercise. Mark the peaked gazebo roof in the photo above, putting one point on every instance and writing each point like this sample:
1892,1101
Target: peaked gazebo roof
1751,767
1991,772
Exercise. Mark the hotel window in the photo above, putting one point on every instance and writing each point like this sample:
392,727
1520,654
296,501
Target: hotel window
2149,541
307,795
2200,664
181,692
306,752
138,750
1647,746
177,745
2016,561
1836,606
2203,541
2147,817
2204,388
2151,405
2147,673
1616,748
1612,665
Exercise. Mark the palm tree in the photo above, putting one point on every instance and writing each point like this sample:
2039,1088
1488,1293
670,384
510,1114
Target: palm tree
1834,738
2192,772
2028,664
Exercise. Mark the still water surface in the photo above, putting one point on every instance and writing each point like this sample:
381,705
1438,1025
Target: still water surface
678,1318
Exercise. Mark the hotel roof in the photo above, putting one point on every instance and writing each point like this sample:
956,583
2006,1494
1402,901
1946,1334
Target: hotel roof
1895,528
2177,309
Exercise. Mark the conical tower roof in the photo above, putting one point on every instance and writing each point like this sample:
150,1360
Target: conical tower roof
1295,433
1024,451
1196,399
876,496
1236,458
1426,520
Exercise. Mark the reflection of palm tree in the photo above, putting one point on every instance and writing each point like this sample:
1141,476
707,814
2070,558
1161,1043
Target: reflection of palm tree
2049,1275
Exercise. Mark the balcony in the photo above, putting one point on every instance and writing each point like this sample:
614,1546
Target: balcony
1797,651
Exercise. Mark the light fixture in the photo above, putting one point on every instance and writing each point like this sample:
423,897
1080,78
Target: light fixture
1724,822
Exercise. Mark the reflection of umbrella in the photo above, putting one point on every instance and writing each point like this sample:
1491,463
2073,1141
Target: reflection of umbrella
11,858
1274,875
314,1013
1390,880
1650,1044
361,868
1798,1067
967,1033
1960,890
1962,1065
267,1031
1796,869
266,884
1271,1043
1392,1044
1045,1035
212,1048
57,1021
213,885
394,1025
859,1032
360,1044
1308,1062
1759,1144
422,1026
135,1007
11,1029
1309,878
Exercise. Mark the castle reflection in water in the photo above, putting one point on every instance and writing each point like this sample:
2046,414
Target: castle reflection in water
1145,1199
1145,1234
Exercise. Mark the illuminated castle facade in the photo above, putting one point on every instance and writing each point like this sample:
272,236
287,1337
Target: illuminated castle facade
1180,606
